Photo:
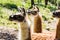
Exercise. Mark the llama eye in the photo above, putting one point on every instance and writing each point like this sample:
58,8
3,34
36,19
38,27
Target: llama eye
35,11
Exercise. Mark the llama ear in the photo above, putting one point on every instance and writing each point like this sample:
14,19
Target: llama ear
37,9
24,12
19,9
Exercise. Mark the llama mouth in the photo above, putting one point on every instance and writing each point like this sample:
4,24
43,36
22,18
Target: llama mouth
56,16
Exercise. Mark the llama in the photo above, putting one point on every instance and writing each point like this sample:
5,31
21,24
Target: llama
57,15
24,31
36,25
36,19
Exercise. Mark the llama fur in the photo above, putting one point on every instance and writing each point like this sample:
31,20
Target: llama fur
35,21
57,15
20,18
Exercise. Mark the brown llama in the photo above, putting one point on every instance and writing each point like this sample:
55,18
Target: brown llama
36,19
57,15
36,25
24,30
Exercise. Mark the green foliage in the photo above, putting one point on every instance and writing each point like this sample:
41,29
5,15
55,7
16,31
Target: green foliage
7,7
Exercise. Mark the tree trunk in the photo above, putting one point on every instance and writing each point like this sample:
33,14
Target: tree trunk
32,2
46,2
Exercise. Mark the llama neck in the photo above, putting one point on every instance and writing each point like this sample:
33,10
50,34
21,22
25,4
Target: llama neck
37,24
58,30
24,32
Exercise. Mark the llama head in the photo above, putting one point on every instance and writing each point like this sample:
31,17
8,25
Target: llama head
18,16
56,13
22,11
34,10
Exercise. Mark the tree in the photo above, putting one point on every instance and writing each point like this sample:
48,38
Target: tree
32,3
46,2
53,1
39,1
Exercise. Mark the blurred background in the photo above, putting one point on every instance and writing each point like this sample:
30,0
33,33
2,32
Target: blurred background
8,7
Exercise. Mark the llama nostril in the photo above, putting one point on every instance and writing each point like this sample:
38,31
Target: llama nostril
54,13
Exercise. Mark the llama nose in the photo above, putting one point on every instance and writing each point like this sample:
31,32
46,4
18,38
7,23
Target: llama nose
54,13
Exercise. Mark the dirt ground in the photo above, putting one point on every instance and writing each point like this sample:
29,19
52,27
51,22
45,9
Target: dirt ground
43,36
8,33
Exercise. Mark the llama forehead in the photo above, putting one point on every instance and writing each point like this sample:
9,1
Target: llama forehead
19,13
33,12
34,9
